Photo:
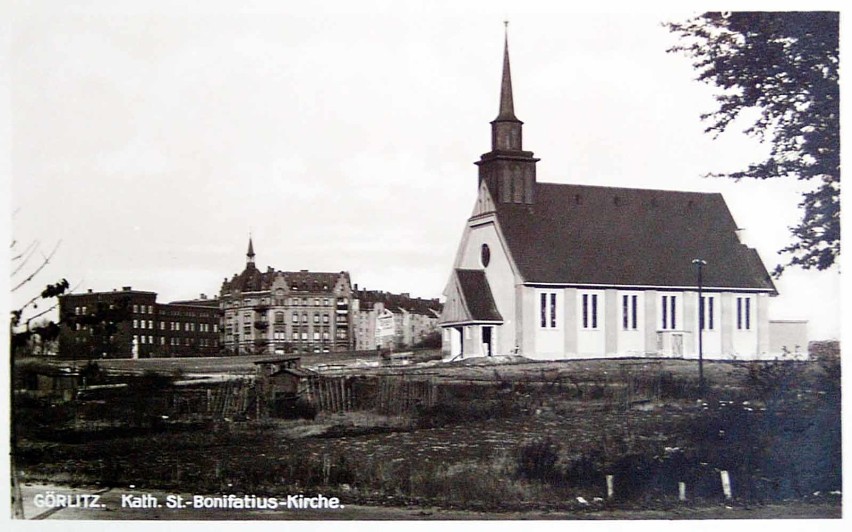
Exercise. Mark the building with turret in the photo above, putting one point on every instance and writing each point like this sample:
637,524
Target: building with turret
280,312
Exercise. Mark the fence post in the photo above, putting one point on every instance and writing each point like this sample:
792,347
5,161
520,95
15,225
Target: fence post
726,484
681,491
610,489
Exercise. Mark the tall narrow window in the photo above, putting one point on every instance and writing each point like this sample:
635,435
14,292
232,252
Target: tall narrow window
635,312
594,311
739,313
547,310
629,312
710,312
668,305
590,311
747,313
673,312
553,310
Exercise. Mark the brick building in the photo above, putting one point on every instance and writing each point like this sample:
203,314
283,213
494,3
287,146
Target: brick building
285,312
143,327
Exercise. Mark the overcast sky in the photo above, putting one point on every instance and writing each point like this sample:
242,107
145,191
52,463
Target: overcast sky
151,140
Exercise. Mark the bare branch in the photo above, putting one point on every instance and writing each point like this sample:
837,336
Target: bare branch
27,254
40,268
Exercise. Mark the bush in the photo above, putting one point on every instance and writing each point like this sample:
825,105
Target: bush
537,460
294,409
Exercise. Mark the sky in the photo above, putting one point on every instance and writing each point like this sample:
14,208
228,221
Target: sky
150,140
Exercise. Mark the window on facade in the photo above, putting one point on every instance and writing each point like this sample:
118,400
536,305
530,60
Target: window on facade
547,310
325,335
304,318
304,336
279,317
705,312
316,318
668,305
135,309
629,311
590,311
325,318
744,313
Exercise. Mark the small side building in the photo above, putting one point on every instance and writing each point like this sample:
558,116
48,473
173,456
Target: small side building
281,383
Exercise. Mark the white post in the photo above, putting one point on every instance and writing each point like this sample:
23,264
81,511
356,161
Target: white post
726,484
681,491
610,491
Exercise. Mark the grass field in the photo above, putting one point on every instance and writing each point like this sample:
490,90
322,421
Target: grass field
521,437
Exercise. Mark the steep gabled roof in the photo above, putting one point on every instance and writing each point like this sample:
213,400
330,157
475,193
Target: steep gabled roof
618,236
477,296
253,280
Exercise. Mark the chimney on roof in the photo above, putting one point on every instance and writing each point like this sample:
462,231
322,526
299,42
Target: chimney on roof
89,290
126,288
202,296
356,287
304,271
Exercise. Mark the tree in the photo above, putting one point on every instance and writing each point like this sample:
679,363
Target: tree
102,322
784,66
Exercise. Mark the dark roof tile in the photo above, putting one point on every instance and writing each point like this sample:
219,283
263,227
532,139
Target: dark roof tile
477,295
618,236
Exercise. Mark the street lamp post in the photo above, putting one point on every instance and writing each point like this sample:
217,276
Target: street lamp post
700,263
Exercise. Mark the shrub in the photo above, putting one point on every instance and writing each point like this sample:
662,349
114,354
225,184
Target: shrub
294,409
538,460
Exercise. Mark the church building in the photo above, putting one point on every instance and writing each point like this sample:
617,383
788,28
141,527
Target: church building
558,271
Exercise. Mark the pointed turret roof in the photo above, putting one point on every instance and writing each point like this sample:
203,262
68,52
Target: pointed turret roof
250,253
507,105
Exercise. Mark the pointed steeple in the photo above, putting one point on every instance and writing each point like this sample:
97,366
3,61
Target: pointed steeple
508,170
250,254
507,105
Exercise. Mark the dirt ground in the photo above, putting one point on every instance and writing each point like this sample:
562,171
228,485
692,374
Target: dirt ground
370,447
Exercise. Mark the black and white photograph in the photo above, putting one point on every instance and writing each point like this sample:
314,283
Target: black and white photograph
422,261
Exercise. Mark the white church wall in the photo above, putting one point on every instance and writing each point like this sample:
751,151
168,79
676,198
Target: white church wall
631,330
500,277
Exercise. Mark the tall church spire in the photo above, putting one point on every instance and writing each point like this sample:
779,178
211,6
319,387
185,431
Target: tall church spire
507,105
507,170
506,129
